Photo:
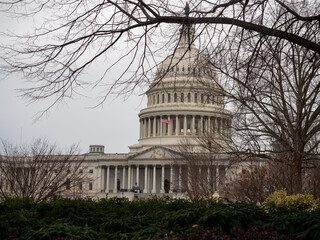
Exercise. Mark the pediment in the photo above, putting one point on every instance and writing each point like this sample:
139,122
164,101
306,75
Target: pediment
156,152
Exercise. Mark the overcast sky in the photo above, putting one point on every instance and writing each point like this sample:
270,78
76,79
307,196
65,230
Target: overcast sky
115,125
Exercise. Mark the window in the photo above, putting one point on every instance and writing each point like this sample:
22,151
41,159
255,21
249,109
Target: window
175,97
177,69
169,97
202,98
90,185
68,184
189,97
158,99
182,97
212,99
91,171
162,98
80,185
182,69
172,69
154,99
208,99
80,171
195,97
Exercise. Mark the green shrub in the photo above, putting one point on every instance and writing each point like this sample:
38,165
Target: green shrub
279,201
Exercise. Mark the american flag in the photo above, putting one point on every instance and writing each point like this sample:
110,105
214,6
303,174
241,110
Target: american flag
163,120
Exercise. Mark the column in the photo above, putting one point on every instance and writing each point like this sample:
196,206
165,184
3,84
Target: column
169,126
216,127
98,181
141,125
108,174
154,126
162,179
193,124
185,125
129,178
205,124
161,125
137,175
145,128
177,124
123,177
154,180
115,189
145,190
158,129
149,127
171,179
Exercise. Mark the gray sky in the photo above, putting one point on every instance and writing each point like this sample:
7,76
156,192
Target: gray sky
115,125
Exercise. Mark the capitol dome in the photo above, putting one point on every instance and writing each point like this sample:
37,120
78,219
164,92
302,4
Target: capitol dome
184,100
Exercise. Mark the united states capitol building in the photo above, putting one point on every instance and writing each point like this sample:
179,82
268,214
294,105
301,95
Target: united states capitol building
184,101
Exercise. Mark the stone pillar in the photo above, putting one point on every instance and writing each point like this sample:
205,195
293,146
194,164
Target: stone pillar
149,127
141,126
154,125
177,124
137,175
154,180
185,125
193,123
161,125
169,126
108,175
162,179
123,177
98,181
145,128
216,126
145,190
129,178
115,189
171,179
205,124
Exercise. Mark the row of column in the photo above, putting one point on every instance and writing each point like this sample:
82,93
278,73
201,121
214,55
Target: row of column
184,125
150,178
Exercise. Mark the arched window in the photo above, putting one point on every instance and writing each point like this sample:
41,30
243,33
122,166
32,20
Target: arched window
202,98
158,99
189,97
175,97
162,98
169,97
182,69
195,97
182,97
208,99
212,99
